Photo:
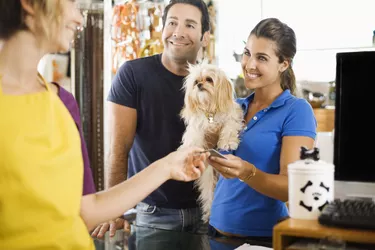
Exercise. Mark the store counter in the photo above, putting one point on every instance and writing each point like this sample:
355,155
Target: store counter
143,238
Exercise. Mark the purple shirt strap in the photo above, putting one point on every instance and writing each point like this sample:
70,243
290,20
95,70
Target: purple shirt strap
71,104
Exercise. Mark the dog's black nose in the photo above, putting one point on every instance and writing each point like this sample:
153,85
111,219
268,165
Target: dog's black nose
200,86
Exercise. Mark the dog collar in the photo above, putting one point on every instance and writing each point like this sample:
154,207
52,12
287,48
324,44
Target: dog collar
210,117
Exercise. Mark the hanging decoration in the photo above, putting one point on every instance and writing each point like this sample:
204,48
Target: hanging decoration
136,30
125,33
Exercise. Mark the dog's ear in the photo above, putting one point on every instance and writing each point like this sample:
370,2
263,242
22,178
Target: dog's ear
225,93
190,108
190,105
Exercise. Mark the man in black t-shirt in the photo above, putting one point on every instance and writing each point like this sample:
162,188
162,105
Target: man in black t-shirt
145,100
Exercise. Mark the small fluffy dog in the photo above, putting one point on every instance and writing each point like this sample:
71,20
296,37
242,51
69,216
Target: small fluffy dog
213,120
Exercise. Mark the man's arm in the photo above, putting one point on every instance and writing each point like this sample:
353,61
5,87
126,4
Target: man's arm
122,126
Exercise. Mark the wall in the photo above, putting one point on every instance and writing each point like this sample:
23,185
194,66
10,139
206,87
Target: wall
322,27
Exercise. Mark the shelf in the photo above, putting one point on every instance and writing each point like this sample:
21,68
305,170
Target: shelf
292,230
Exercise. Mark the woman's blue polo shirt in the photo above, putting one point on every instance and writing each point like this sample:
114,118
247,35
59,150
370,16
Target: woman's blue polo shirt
239,209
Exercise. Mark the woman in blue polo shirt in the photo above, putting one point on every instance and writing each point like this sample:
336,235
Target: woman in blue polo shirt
253,187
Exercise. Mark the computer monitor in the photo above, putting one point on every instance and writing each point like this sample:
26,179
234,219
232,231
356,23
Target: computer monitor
354,132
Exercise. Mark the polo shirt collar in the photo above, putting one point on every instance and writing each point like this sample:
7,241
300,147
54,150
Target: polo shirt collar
280,100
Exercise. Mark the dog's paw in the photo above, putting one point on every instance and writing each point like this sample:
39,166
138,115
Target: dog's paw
232,145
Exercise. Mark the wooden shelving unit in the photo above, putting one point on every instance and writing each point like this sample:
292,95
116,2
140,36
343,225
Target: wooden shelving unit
292,230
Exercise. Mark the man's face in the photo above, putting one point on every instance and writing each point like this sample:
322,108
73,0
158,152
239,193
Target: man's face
182,33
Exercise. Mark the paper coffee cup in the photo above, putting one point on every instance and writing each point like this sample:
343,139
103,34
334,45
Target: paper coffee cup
311,187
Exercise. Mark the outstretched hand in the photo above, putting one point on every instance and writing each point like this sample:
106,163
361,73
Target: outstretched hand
186,164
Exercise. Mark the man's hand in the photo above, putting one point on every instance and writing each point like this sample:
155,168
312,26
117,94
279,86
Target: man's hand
111,226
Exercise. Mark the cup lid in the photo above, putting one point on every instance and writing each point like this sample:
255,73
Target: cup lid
310,165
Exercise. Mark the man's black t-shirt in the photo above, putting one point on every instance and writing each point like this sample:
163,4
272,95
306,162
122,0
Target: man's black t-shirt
147,86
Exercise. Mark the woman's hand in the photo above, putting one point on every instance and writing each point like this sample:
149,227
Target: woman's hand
111,226
232,167
186,164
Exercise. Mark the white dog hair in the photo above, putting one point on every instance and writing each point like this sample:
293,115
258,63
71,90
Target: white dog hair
213,119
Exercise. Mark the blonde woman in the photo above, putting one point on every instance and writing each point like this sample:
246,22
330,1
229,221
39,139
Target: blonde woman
41,166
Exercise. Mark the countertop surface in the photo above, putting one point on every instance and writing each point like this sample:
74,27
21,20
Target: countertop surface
143,238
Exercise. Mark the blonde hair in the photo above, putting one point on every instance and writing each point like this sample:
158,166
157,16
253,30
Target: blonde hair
47,16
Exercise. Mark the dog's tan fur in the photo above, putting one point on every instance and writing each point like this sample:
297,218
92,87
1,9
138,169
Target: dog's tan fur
213,120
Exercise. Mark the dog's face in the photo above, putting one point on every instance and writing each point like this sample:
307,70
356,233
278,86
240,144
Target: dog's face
208,88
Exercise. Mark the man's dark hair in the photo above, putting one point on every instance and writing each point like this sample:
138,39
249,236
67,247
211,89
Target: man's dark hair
200,4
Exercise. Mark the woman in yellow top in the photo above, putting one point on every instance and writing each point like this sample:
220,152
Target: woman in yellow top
41,166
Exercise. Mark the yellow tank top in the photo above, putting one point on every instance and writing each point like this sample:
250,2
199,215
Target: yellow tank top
41,175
